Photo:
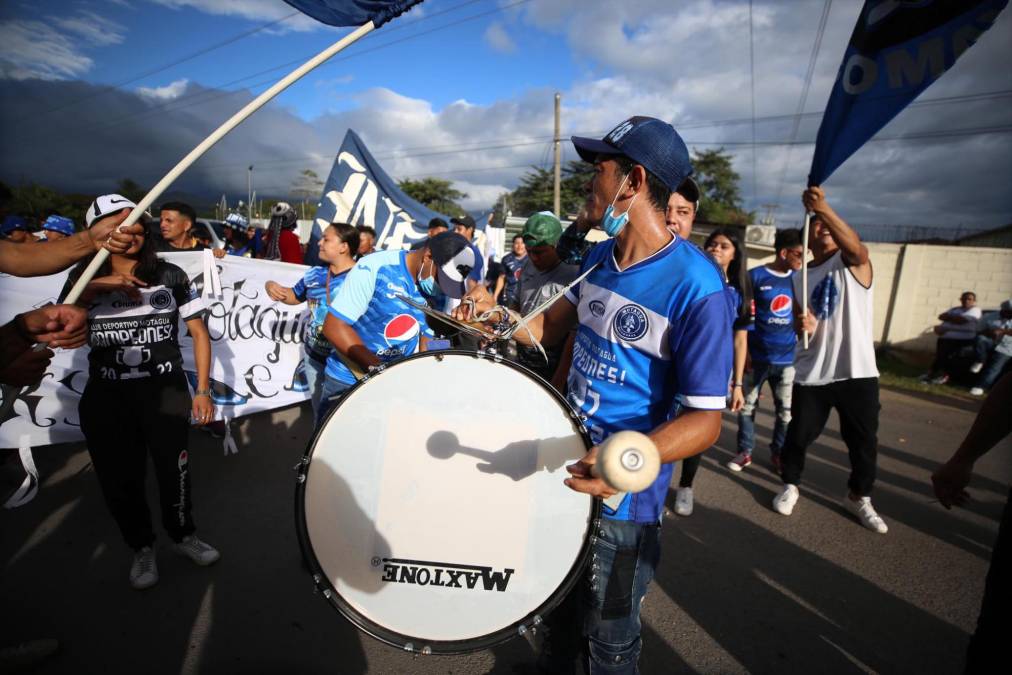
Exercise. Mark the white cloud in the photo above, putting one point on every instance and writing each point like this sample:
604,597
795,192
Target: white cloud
32,49
91,28
54,49
694,71
254,10
498,39
167,93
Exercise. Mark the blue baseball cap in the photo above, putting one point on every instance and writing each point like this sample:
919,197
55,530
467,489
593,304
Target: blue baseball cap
59,224
652,143
12,223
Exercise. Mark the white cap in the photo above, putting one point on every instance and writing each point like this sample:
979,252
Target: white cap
105,205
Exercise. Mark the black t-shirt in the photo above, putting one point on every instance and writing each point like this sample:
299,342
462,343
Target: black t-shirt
132,339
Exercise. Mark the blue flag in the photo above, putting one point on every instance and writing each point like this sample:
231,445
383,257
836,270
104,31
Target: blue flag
359,192
897,50
353,12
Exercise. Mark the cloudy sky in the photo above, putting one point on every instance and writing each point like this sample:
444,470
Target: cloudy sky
98,90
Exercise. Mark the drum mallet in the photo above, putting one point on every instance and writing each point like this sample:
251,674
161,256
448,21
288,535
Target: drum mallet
627,461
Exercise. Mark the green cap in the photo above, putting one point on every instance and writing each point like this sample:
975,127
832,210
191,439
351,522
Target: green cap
542,229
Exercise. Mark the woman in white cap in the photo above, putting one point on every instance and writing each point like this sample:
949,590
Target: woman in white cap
137,402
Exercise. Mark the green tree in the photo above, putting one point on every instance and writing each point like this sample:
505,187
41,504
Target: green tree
131,190
536,191
435,193
718,181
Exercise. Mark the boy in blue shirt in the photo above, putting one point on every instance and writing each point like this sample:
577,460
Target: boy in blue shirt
369,325
771,343
653,322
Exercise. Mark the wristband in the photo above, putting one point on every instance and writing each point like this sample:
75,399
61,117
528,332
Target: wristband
737,384
202,392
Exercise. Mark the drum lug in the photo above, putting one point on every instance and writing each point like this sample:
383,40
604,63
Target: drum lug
491,354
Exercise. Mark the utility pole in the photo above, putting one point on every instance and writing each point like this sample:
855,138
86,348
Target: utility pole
769,219
249,193
558,160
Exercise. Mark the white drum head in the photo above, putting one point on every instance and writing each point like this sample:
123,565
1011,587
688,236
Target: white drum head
431,503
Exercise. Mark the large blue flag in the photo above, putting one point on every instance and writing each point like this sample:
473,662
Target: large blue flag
353,12
898,48
359,192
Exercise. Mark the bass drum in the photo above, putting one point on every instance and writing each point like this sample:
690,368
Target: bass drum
430,504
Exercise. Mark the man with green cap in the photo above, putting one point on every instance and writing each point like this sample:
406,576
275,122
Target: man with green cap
542,276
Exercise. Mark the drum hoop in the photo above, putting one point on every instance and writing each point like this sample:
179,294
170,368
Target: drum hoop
413,643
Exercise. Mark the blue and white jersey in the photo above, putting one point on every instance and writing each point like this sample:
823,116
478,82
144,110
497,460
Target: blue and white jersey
656,330
773,339
312,289
368,303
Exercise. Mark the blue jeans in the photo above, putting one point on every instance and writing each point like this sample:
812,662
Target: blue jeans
605,603
314,371
984,352
330,394
781,379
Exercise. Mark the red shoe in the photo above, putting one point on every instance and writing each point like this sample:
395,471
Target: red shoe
741,460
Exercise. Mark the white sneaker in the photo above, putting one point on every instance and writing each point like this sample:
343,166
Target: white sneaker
864,512
144,570
198,551
683,501
784,502
976,367
976,391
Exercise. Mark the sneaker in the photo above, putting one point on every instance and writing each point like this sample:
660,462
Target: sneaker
144,570
976,367
742,460
777,464
197,551
784,502
864,512
976,391
683,501
941,379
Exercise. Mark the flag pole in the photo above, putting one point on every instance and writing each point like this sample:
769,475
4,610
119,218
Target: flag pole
10,393
804,274
216,136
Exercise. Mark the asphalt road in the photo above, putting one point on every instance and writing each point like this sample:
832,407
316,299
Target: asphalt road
739,588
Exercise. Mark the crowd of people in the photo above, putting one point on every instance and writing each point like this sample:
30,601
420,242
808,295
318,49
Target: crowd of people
688,332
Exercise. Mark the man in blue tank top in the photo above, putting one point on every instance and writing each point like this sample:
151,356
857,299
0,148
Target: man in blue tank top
653,322
771,341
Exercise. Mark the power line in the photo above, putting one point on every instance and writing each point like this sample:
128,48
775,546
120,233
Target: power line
503,143
804,92
210,95
751,70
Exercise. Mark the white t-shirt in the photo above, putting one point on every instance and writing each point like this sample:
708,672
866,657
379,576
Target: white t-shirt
842,347
961,331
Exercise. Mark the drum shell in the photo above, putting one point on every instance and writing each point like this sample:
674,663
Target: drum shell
418,640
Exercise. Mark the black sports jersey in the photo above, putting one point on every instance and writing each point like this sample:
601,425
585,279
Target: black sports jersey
131,338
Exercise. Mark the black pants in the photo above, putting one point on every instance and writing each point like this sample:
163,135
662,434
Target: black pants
987,646
856,401
690,465
123,422
945,350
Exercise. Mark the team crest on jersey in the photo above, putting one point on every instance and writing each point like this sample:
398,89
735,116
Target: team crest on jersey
597,308
161,299
631,323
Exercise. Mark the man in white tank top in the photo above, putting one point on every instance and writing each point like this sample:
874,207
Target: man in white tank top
838,369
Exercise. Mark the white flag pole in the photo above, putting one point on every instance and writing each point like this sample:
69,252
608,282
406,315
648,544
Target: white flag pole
216,136
804,274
